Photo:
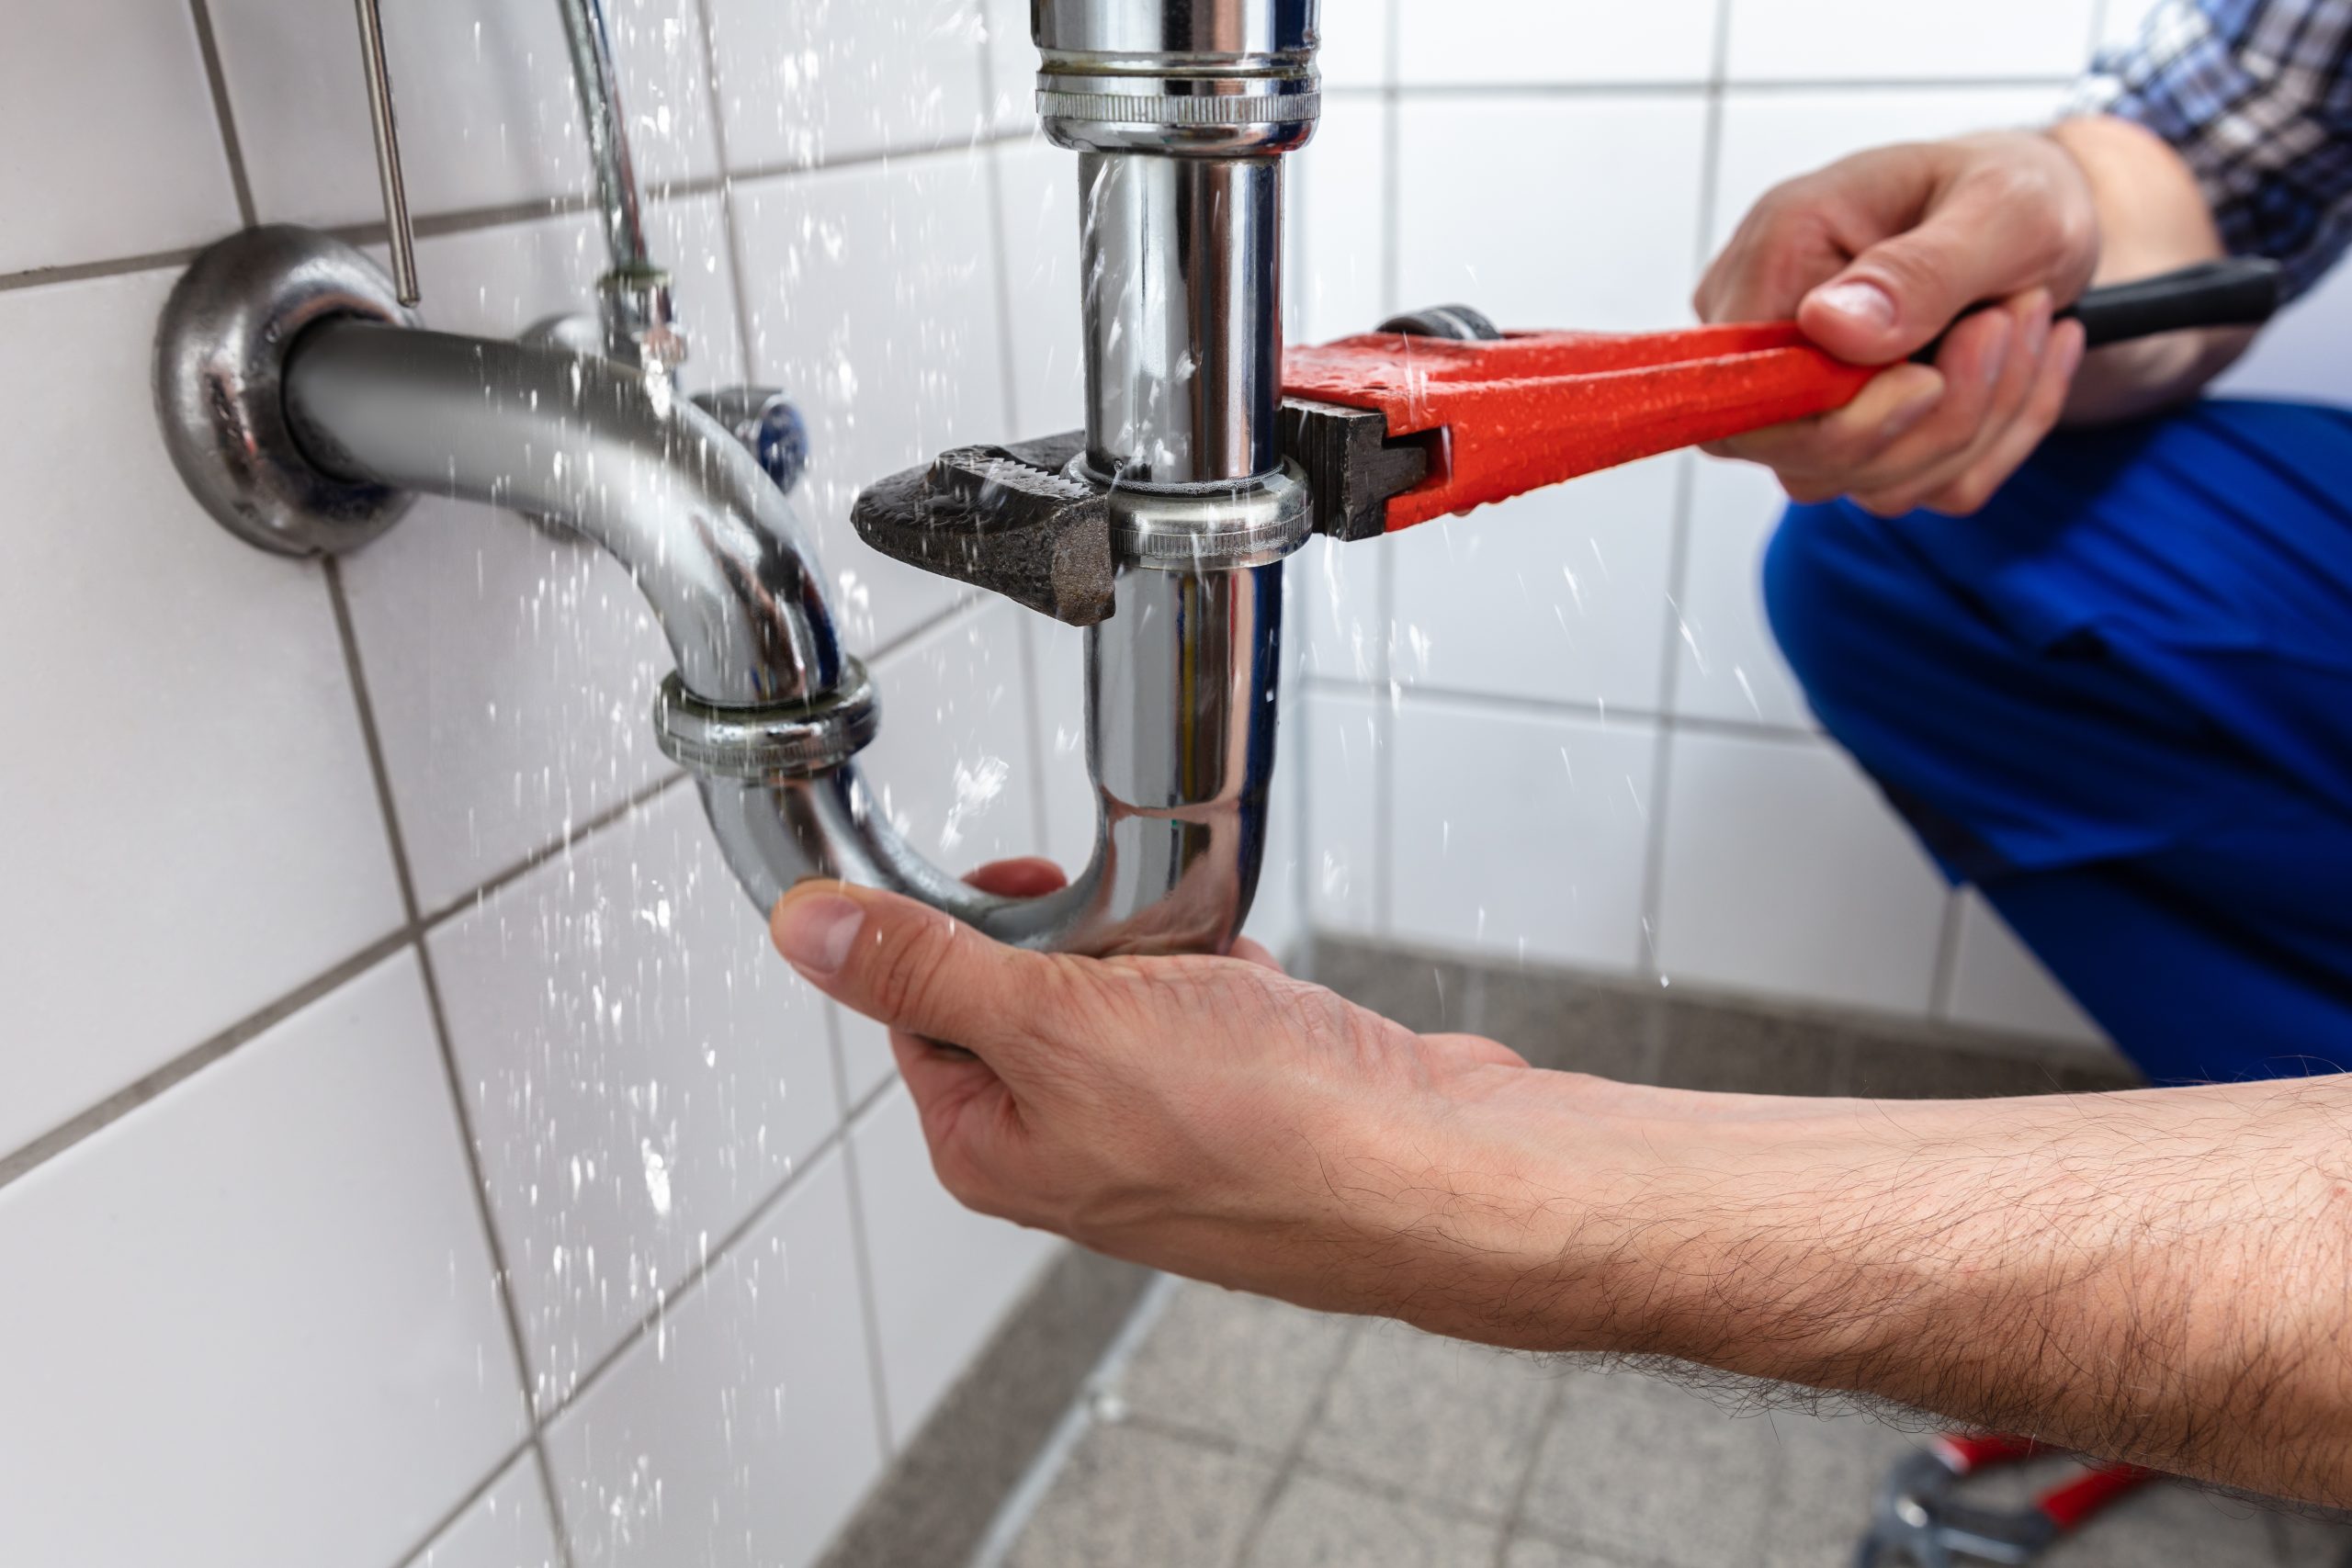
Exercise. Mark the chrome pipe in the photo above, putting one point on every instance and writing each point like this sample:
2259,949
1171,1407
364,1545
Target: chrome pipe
1180,680
1180,687
1181,302
638,317
711,542
598,84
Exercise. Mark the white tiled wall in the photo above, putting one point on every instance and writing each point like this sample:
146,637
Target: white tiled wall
429,1162
1558,729
434,1163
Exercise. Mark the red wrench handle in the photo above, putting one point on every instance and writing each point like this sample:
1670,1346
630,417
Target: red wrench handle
2070,1504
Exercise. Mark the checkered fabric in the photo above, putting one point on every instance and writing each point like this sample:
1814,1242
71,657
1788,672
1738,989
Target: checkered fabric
2256,95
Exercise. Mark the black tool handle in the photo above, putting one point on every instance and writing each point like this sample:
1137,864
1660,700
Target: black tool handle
2241,292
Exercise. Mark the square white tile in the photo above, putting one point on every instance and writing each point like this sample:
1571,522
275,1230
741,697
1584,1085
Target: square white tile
1342,740
873,303
1598,243
1038,190
1012,67
1786,872
954,768
1339,214
641,1068
1727,665
1278,914
2120,20
269,1317
506,1526
740,1428
514,669
866,1062
1066,793
1834,41
488,114
109,144
1544,42
2301,355
815,84
185,728
1339,609
1355,44
1558,596
1998,983
1769,137
943,1275
1520,834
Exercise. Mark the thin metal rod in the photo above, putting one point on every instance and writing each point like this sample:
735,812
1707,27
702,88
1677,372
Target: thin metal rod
387,152
600,107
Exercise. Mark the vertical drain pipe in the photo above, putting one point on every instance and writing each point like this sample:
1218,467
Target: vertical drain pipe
1180,111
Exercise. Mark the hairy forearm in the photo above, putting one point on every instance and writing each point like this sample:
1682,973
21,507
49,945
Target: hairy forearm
2152,218
2159,1276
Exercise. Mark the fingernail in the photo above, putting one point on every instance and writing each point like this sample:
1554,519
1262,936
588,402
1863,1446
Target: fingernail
1864,301
2037,326
814,932
2000,338
1911,410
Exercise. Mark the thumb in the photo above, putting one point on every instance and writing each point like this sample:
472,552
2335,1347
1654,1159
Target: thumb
1900,294
910,967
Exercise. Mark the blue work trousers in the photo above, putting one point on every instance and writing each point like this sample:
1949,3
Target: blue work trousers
2119,700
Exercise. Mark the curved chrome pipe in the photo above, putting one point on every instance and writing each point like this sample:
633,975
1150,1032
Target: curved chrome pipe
1181,681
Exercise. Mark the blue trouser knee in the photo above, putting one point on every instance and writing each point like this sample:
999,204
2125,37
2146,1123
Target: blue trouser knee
2119,700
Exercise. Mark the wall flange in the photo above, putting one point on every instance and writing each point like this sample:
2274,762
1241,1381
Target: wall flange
221,354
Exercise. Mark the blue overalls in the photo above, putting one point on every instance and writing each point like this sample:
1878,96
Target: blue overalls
2119,700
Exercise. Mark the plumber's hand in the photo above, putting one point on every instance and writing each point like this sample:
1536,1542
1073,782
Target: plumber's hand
1211,1116
1875,256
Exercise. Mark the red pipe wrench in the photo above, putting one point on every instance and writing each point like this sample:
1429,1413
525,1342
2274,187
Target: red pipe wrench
1437,413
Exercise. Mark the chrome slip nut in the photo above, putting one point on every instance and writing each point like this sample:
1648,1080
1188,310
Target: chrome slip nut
795,740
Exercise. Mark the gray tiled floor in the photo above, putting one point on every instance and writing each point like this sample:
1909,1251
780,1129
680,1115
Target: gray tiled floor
1258,1436
1406,1451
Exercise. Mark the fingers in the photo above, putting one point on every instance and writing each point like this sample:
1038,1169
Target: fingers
1253,951
913,967
2044,404
1992,376
1028,877
1987,239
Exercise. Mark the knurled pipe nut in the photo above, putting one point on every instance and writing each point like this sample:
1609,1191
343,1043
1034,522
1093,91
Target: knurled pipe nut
1214,528
795,740
1138,109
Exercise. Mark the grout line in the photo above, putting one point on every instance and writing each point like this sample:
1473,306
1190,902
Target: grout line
993,177
1687,87
1551,707
371,740
1669,680
207,44
1019,1505
414,1556
1947,975
1033,692
738,258
886,1437
1515,1513
1293,1454
117,266
564,1555
666,1302
510,1312
571,839
114,1107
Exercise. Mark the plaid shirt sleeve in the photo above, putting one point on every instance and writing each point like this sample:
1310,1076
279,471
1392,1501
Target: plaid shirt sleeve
2256,95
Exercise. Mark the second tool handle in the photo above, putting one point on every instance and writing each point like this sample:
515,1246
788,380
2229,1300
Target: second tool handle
2238,291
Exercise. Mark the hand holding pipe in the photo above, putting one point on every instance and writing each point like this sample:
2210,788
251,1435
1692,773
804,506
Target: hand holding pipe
1473,416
